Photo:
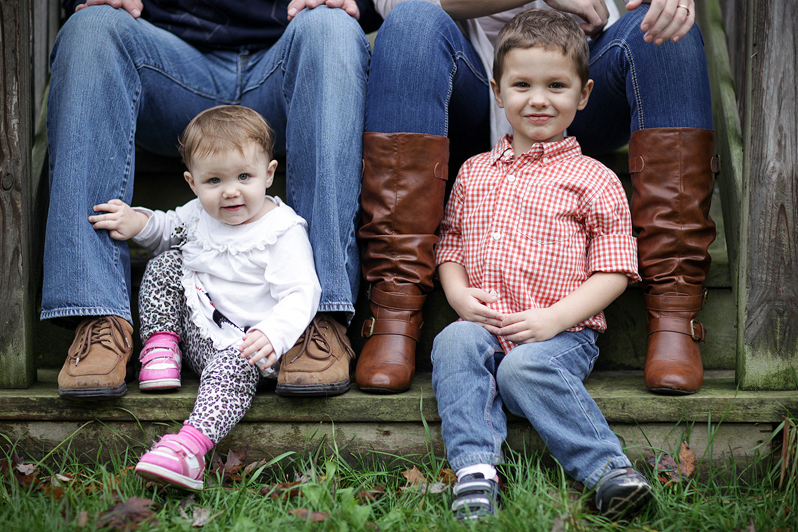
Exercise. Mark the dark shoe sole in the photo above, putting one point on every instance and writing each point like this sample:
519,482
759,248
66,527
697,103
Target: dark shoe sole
627,504
381,391
670,391
312,390
93,393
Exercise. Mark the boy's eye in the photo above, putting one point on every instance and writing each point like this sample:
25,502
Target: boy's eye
522,84
557,85
243,177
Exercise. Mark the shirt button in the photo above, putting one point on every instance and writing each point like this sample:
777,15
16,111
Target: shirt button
497,235
510,177
494,293
545,160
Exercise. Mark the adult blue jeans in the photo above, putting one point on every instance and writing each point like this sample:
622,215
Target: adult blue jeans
543,382
426,77
637,84
118,82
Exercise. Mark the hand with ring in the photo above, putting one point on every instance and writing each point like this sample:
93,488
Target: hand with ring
666,19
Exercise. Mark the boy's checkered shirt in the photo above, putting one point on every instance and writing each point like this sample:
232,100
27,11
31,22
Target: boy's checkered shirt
532,229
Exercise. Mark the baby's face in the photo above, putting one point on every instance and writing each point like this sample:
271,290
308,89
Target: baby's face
540,92
231,185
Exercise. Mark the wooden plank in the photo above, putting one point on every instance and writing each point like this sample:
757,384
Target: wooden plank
17,288
727,126
621,395
768,269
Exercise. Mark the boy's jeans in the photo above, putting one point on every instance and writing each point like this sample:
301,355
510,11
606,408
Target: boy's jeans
117,82
542,382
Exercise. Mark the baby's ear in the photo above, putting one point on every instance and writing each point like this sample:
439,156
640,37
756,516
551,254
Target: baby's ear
190,181
270,172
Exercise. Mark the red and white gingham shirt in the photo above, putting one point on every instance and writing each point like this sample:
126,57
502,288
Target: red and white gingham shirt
532,229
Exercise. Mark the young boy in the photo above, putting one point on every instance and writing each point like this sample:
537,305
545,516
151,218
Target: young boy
535,242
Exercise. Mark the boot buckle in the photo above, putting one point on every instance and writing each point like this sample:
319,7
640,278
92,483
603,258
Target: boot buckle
368,328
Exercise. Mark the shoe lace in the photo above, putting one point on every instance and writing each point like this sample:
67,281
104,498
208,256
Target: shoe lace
313,334
94,331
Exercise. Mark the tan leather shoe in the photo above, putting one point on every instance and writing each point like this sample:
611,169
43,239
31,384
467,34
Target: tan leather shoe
97,359
318,364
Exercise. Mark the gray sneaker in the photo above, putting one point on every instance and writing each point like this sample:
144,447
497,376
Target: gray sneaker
622,492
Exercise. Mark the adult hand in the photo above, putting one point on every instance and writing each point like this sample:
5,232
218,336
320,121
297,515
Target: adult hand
666,19
121,221
255,347
133,7
593,12
350,6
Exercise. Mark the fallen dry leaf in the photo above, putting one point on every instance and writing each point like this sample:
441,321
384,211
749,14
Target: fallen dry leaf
201,516
230,468
307,515
414,476
83,519
749,528
372,494
668,471
128,514
447,476
283,490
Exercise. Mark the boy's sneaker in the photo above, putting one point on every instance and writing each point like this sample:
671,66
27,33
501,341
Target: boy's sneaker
475,496
173,461
622,491
160,362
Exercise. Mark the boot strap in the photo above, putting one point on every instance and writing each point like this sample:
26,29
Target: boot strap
374,326
395,301
671,303
691,328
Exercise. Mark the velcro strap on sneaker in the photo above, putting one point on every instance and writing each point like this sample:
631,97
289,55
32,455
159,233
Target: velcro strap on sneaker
395,301
676,303
691,328
374,326
159,354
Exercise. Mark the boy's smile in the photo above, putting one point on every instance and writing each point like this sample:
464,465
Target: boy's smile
540,92
231,184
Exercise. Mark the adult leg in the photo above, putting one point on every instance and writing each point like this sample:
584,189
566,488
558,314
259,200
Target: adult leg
406,156
115,80
312,85
664,91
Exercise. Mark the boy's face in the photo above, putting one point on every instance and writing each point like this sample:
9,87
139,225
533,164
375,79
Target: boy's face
231,185
540,93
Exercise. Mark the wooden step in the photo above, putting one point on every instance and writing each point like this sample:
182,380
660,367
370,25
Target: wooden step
719,418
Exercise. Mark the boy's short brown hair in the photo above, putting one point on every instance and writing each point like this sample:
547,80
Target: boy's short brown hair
548,29
223,128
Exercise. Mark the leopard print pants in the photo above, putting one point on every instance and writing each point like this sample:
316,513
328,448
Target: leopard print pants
227,381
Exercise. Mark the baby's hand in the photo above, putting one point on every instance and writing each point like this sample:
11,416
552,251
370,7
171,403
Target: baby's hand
121,221
257,348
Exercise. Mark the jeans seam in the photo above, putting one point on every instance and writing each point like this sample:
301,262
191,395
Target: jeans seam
214,97
620,43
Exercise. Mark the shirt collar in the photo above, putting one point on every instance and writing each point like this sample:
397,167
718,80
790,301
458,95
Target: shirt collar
553,151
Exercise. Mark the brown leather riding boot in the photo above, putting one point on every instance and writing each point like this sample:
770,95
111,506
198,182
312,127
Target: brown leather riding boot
404,184
672,178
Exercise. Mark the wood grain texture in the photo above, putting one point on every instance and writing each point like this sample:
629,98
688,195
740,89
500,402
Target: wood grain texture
768,354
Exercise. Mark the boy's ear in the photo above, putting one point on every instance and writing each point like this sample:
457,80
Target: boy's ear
497,93
585,95
270,172
190,181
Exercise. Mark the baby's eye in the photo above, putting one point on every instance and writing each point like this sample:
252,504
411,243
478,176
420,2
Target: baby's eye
214,181
243,177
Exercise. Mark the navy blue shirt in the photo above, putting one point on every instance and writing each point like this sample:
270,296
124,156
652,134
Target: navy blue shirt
227,24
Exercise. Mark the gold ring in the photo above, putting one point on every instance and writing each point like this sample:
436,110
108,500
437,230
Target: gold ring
685,8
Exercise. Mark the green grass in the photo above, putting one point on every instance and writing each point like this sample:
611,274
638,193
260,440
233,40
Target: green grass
372,493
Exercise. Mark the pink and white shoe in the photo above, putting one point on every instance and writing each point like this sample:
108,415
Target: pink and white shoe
160,362
177,460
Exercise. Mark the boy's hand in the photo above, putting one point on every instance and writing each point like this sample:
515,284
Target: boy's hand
121,221
533,325
350,6
470,305
133,7
255,347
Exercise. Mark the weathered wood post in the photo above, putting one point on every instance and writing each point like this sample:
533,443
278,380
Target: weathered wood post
767,295
17,287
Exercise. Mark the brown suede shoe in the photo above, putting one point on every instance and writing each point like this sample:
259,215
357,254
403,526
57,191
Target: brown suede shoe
97,359
319,362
